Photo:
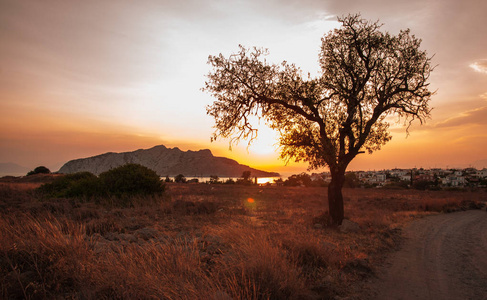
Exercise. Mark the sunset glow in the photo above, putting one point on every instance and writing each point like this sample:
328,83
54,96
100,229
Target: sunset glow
81,78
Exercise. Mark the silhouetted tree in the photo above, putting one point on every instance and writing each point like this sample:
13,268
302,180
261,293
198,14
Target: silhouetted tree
302,179
246,175
366,76
214,179
229,181
279,182
245,178
180,178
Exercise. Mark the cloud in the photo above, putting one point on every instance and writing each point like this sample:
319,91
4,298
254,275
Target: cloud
476,116
480,66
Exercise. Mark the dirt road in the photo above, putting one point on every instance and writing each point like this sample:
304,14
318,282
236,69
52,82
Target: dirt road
443,257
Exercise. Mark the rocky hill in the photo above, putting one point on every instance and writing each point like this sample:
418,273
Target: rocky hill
166,162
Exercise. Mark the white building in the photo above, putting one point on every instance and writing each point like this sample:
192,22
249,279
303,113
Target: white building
405,178
482,173
454,181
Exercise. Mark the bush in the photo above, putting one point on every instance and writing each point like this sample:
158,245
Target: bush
39,170
82,184
302,179
422,184
123,182
214,179
131,180
351,180
397,185
180,178
245,180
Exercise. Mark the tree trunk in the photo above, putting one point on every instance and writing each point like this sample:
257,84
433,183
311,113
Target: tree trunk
335,197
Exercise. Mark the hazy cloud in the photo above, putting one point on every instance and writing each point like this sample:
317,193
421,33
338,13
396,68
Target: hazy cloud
476,116
480,66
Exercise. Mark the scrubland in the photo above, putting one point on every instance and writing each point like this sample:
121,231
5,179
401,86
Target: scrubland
200,241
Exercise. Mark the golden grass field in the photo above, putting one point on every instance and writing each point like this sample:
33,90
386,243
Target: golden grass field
202,241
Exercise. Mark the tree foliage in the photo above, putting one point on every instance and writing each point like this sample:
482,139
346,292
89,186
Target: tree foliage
214,179
366,76
121,184
302,179
246,175
39,170
81,184
131,180
180,178
351,180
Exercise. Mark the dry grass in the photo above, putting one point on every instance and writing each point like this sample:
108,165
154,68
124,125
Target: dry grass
204,242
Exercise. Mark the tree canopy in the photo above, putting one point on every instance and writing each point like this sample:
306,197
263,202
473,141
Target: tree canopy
39,170
366,76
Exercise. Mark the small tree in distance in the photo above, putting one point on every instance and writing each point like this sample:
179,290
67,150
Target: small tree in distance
246,175
366,76
245,178
214,179
180,178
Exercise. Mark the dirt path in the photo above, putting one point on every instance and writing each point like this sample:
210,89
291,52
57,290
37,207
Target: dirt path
443,257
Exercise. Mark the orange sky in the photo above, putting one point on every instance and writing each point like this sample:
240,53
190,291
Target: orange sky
80,78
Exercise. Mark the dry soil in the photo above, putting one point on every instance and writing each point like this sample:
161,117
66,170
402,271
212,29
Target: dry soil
443,257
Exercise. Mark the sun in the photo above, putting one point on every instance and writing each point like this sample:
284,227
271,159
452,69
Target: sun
266,142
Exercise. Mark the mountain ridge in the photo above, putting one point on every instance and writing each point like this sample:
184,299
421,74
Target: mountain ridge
165,162
12,169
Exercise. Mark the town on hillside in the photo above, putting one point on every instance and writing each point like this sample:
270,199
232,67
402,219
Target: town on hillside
416,178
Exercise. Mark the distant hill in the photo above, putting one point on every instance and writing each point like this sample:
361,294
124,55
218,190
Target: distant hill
166,162
480,164
12,169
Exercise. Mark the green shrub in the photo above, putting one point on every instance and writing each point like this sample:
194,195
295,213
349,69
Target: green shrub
131,180
120,185
39,170
82,184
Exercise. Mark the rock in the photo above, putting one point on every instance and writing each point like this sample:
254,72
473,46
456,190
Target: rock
349,226
318,226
